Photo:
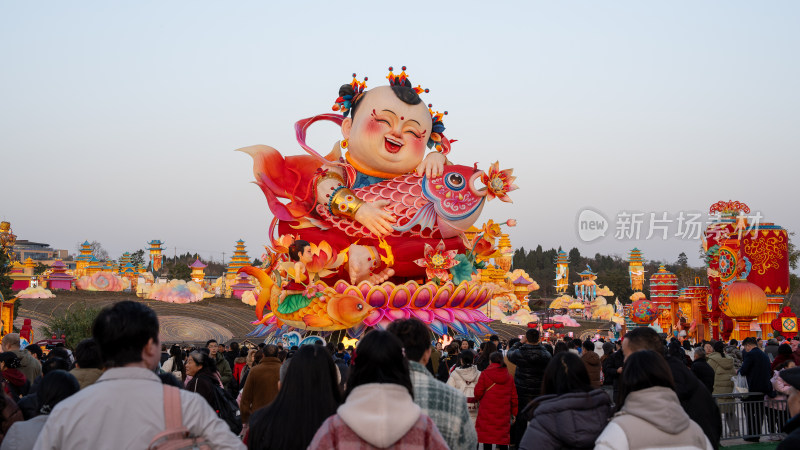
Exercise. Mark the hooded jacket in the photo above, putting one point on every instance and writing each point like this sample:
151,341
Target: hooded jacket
652,418
531,360
723,372
498,402
567,421
592,363
378,415
464,379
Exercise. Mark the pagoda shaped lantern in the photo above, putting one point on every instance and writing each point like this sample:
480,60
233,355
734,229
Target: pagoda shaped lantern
156,247
238,260
59,278
663,293
562,272
198,271
636,270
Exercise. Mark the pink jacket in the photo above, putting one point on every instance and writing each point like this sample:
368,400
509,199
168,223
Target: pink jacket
779,402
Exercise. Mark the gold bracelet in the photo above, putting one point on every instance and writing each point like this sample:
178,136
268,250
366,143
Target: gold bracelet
332,176
344,203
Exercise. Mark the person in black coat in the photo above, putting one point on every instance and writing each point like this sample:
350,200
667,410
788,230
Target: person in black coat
531,359
695,399
792,427
756,367
703,371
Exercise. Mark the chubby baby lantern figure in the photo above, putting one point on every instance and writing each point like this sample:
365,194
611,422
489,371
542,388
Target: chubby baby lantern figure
376,196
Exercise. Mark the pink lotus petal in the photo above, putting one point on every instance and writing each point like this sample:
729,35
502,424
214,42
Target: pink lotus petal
397,314
479,316
461,315
423,296
458,296
373,317
423,315
377,297
484,296
400,297
340,286
442,296
445,315
364,287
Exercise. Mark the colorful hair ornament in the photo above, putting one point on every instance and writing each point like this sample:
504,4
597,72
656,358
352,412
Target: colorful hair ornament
437,131
345,102
398,80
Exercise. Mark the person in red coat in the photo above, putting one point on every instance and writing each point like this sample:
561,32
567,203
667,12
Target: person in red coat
497,395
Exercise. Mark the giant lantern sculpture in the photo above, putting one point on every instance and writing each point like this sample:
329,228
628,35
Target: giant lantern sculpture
739,245
375,230
643,312
743,301
664,293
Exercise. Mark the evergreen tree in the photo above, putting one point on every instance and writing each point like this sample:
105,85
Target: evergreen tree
5,280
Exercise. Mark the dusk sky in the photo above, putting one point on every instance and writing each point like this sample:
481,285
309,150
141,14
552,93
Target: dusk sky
119,120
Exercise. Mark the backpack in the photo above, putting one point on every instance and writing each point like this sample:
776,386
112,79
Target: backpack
175,436
227,409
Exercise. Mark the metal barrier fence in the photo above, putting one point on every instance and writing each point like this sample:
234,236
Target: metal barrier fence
750,416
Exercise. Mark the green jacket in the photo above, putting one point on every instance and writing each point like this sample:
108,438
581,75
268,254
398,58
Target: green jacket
224,369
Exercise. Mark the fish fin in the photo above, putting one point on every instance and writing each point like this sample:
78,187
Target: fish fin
317,321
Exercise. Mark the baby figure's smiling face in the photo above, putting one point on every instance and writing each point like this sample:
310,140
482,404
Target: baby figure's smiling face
387,135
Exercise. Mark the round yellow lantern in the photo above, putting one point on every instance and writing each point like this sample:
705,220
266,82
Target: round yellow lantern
743,301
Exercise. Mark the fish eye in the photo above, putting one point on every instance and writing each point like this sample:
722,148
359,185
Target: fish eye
360,307
454,181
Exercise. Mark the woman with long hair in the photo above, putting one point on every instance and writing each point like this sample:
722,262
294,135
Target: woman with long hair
497,395
569,413
203,370
174,364
650,414
310,380
448,363
379,409
482,360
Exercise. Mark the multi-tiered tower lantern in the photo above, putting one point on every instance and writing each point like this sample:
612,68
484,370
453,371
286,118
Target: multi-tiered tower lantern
59,278
562,272
663,293
238,261
124,260
156,247
95,265
82,260
636,270
198,271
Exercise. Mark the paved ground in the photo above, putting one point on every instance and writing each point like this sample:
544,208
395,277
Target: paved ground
219,318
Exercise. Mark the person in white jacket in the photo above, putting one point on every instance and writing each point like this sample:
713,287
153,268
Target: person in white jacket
124,409
650,415
464,378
